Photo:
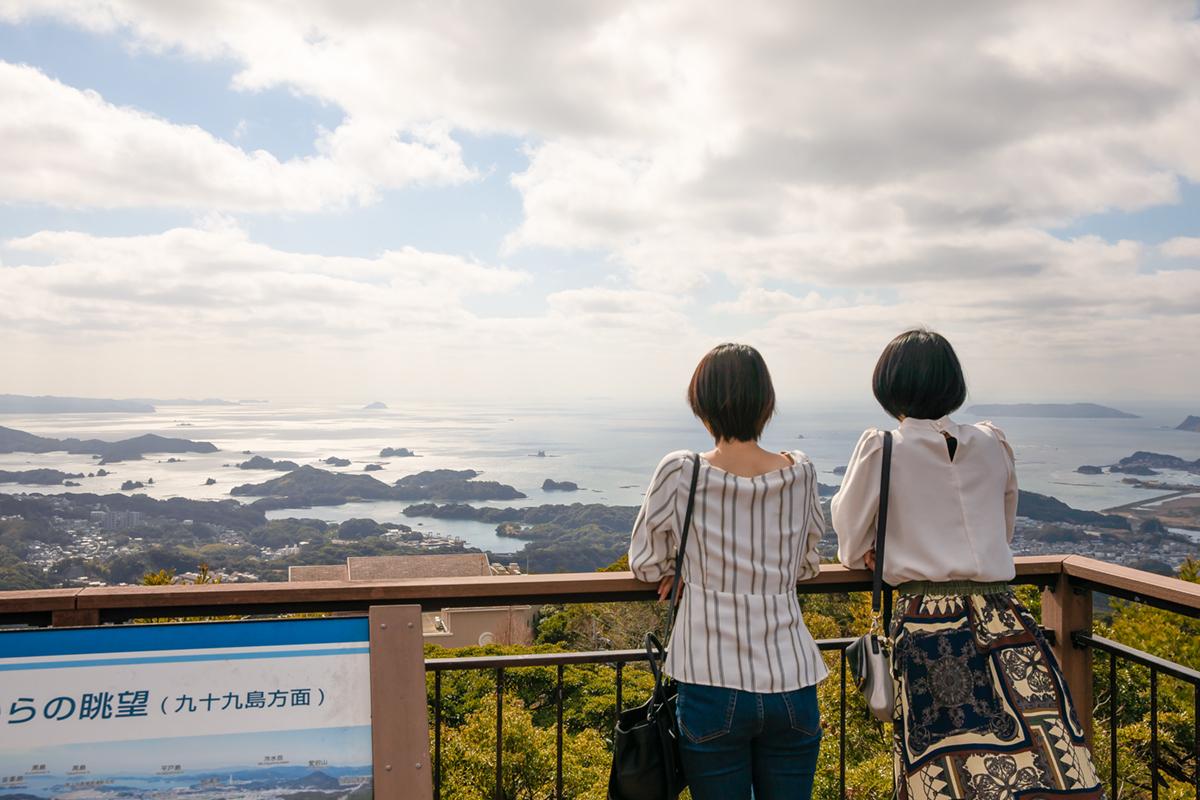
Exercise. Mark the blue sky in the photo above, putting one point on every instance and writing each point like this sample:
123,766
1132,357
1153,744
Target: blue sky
461,197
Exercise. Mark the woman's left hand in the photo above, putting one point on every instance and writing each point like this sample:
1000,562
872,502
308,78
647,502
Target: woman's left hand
664,586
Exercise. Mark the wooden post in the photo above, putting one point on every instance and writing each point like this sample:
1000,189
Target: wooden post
1066,610
75,618
399,714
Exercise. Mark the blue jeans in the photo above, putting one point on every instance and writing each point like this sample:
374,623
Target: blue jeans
733,741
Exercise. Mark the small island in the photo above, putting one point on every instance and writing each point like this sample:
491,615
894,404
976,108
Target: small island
129,486
210,481
262,462
396,452
334,461
1090,469
372,467
549,485
1050,411
376,406
1190,424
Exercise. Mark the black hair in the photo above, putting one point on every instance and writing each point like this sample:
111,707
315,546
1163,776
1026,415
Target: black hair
731,392
918,375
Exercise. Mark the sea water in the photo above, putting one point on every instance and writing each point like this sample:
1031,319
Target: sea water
609,450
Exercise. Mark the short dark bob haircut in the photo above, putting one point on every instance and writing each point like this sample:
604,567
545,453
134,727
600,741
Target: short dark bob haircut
732,394
918,376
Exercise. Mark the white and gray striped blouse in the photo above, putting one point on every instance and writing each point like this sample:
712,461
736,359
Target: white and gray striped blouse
739,623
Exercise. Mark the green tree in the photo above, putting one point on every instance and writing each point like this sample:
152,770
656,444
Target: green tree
468,753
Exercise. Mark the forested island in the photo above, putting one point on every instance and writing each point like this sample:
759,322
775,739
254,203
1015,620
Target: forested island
1144,463
38,477
15,441
310,486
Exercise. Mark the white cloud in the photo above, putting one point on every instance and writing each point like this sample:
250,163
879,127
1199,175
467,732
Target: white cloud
214,279
907,162
1182,247
66,147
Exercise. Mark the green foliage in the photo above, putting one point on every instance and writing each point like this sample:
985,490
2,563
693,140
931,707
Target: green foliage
358,528
468,771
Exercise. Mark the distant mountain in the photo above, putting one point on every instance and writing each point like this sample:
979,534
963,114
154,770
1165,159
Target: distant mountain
376,406
26,404
208,401
1190,424
1050,411
14,441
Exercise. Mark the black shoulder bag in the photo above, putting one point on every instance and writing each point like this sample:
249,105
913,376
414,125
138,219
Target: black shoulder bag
869,656
646,763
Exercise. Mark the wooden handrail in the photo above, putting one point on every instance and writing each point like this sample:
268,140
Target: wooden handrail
1133,584
120,603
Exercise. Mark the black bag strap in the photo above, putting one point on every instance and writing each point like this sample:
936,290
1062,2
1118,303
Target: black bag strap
879,598
683,537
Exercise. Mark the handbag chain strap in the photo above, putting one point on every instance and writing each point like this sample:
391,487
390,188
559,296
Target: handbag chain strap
881,601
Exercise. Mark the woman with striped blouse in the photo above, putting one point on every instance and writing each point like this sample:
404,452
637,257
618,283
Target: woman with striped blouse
746,664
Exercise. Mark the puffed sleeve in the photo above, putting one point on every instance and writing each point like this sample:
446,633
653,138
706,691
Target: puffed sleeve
652,545
1011,491
810,565
856,505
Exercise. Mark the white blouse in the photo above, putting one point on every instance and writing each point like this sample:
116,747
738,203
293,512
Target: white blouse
947,519
739,624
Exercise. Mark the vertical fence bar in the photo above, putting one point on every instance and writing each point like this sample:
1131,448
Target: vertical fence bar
558,753
1196,737
842,729
499,733
1112,725
437,735
620,687
1153,733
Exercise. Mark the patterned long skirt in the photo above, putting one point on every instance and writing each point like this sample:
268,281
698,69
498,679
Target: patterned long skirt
982,710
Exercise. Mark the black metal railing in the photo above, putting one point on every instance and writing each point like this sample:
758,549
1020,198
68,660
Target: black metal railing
618,659
1157,666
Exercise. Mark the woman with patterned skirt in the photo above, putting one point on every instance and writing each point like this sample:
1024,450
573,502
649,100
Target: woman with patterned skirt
982,709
